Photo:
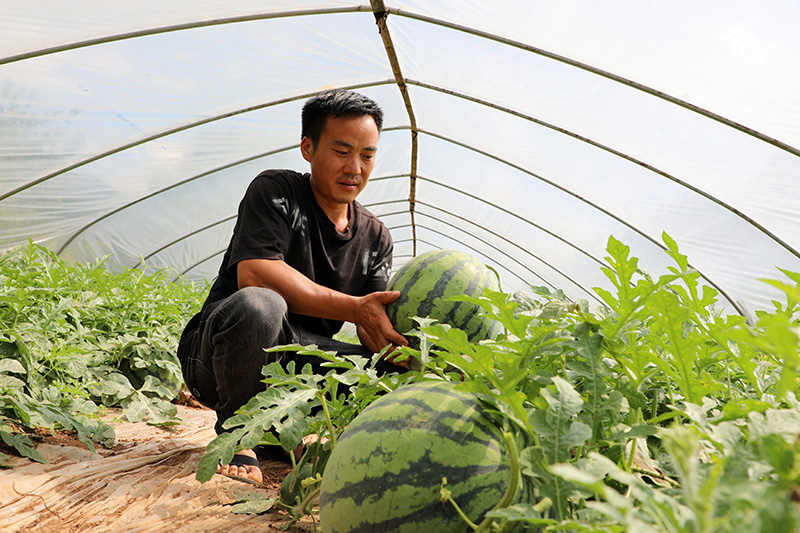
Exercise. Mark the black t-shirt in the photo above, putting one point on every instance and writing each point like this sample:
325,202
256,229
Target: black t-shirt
280,219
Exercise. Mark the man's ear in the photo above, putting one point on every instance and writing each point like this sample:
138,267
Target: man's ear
306,148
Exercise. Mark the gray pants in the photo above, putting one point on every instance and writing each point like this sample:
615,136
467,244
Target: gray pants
222,359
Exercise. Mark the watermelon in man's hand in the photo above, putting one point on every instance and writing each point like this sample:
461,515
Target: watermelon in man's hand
428,281
385,472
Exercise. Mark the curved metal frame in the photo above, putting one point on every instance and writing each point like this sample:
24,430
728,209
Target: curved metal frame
180,27
170,131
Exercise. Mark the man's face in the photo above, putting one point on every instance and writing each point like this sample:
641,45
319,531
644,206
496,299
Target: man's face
342,160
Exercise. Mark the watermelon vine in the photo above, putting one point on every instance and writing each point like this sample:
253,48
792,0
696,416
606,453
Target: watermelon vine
654,412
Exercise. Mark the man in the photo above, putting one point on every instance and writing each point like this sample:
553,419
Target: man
303,258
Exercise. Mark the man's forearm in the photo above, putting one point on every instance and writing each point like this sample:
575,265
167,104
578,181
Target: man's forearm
302,295
305,297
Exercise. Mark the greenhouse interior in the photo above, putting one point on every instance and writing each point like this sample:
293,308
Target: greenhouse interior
538,137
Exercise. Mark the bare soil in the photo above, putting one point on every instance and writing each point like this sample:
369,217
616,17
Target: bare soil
145,483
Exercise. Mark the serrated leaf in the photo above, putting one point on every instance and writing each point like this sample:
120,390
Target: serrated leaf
254,506
23,445
636,431
521,513
555,425
739,408
10,382
11,365
219,451
783,422
564,402
672,248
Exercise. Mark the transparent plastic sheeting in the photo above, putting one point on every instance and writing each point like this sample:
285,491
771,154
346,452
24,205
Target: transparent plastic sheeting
539,129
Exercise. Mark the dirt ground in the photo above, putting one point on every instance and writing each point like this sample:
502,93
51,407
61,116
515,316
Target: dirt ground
146,483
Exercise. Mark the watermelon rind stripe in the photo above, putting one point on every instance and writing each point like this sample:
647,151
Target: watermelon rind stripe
470,310
446,285
414,476
431,265
404,399
397,419
405,275
434,517
427,282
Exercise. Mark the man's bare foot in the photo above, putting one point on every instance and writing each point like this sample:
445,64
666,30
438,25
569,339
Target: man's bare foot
243,467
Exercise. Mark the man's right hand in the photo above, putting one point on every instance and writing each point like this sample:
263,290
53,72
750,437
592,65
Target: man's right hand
375,330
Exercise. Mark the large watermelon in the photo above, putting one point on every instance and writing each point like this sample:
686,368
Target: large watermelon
385,472
427,281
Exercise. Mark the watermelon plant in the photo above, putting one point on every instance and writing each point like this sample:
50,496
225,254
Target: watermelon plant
654,412
75,339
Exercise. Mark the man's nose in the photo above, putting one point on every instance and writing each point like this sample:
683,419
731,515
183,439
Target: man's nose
352,165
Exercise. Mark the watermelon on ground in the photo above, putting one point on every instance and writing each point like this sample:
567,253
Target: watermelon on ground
427,281
385,472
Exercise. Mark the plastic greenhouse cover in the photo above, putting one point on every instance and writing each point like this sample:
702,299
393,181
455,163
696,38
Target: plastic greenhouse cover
523,132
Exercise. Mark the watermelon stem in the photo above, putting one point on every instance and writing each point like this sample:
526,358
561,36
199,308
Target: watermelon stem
328,420
632,456
447,497
305,506
513,484
508,497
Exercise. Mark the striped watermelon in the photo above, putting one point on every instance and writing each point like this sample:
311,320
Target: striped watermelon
427,281
385,472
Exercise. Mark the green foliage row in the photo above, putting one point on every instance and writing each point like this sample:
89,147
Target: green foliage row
74,339
654,412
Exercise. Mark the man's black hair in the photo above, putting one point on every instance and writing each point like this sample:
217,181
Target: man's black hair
336,103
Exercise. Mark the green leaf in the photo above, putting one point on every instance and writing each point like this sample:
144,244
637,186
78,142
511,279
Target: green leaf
23,445
776,336
555,425
104,435
10,382
636,431
672,248
255,506
523,513
157,387
564,401
253,503
783,422
739,408
12,365
678,345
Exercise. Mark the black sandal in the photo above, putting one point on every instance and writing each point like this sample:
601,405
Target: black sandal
244,460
